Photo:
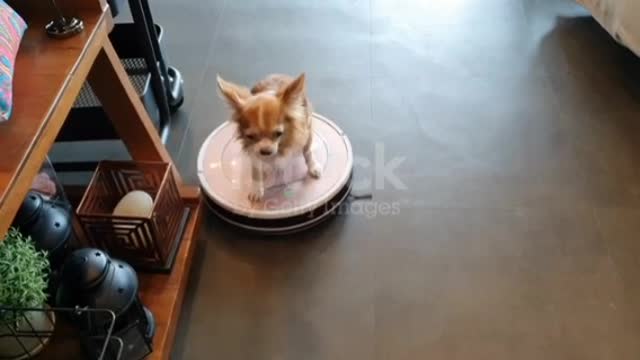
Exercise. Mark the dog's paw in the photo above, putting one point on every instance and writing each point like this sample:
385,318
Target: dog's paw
256,194
315,170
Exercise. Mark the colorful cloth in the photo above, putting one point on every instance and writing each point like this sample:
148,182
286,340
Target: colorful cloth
12,27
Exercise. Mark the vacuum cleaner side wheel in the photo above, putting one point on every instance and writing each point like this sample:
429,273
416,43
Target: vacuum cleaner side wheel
175,106
177,89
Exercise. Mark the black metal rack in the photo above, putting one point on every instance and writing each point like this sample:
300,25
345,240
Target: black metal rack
159,85
23,331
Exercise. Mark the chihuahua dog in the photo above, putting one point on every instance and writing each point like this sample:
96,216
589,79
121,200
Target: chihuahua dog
274,123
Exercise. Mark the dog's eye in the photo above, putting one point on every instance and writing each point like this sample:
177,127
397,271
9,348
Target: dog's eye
251,137
277,133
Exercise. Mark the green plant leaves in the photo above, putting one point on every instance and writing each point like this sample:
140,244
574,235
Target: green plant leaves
23,272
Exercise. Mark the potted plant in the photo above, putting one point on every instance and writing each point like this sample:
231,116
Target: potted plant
23,282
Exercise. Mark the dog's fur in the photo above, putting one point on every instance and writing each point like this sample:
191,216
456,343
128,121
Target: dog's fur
274,122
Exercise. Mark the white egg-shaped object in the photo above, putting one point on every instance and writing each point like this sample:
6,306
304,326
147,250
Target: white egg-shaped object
135,203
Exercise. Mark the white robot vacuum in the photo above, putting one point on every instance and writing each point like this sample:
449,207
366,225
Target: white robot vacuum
293,200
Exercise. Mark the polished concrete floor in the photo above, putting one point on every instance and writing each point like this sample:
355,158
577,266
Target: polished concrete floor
517,125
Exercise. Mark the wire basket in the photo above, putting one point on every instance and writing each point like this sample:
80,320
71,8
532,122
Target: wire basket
46,333
145,243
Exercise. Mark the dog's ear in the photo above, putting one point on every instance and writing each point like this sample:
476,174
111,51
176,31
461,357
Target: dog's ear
235,95
293,93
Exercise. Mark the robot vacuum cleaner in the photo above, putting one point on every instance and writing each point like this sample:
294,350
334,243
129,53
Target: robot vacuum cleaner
293,200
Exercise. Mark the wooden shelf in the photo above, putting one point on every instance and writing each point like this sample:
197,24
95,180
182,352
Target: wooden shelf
48,77
163,293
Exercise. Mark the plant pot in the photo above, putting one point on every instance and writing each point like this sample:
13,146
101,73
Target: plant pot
32,335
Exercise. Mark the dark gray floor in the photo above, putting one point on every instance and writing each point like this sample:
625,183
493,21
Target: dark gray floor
517,238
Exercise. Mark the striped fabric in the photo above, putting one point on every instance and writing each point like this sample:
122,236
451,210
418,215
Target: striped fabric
12,27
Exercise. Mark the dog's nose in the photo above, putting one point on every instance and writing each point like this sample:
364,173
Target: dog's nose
266,152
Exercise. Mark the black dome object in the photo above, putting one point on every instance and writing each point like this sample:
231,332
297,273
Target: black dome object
29,208
90,278
85,269
48,223
51,230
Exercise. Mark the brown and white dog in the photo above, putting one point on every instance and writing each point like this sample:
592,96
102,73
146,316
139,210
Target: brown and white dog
274,123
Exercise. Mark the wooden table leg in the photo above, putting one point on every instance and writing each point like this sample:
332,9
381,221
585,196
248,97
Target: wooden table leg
120,101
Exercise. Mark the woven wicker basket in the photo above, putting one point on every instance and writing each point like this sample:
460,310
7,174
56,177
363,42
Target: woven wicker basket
145,243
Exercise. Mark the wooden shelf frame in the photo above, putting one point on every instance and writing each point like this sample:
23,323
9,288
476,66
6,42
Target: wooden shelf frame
49,75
